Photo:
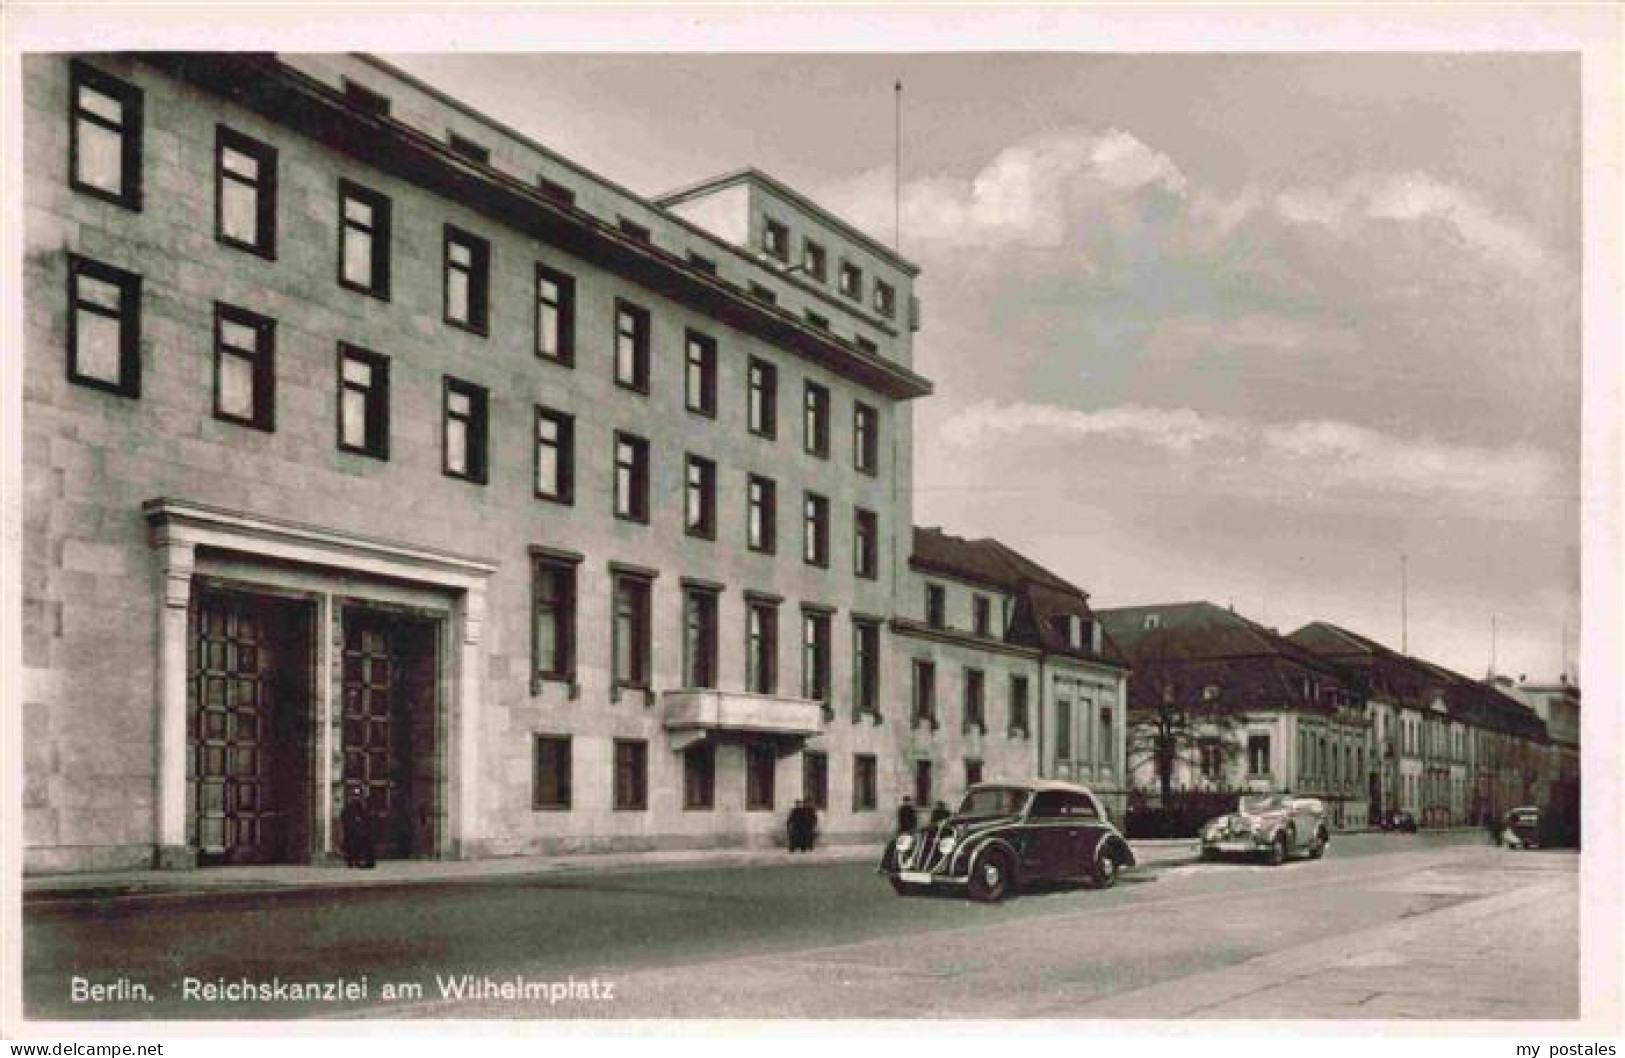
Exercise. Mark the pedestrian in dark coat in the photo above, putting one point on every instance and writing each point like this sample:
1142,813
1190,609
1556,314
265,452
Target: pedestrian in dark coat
907,820
795,827
939,812
359,849
807,825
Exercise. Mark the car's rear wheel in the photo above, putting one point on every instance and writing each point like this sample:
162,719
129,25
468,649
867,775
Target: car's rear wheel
1105,871
990,878
1277,853
1318,849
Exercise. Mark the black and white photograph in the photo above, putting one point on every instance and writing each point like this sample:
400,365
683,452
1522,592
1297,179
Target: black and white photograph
879,515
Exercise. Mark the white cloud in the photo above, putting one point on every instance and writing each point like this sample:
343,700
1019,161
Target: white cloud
1270,332
1308,457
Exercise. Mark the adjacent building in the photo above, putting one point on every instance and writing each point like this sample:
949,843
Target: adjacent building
373,449
1248,710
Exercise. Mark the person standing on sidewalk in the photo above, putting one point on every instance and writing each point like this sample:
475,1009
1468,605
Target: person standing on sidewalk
907,819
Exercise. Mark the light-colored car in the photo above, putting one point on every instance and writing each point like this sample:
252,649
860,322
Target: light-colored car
1009,834
1275,826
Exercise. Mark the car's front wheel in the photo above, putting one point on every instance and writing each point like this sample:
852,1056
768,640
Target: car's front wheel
990,878
1277,851
1318,849
1105,871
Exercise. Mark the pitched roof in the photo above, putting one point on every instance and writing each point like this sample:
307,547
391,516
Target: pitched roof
1040,595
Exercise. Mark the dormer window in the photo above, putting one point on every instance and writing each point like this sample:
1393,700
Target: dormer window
1077,632
1152,622
936,606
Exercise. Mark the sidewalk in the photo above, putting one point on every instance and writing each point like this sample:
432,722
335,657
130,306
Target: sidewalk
159,886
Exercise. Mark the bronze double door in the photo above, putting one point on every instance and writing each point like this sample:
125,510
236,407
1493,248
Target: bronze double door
252,727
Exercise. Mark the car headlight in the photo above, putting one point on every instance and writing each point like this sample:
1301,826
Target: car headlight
948,843
905,842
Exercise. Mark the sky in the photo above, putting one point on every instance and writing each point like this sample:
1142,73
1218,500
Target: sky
1278,331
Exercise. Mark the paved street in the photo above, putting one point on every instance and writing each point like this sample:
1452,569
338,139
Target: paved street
1431,925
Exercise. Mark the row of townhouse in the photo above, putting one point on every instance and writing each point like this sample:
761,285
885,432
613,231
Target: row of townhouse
372,446
1330,713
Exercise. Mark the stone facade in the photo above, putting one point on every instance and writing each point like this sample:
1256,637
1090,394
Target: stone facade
210,595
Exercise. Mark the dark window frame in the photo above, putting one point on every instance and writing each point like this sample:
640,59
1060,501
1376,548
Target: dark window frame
924,782
468,149
815,779
866,674
865,544
476,446
701,648
761,648
761,777
762,399
376,401
815,407
700,795
478,286
975,704
565,607
981,608
700,373
130,130
264,185
262,360
973,771
815,530
936,606
817,670
564,447
865,439
635,798
704,489
885,299
563,784
813,253
639,590
769,517
776,239
640,338
128,318
564,310
638,474
849,270
378,284
1019,704
359,95
923,693
865,782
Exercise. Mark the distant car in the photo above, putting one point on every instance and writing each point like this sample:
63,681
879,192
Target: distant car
1011,834
1403,822
1274,826
1521,829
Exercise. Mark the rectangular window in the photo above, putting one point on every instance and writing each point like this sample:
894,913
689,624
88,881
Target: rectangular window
467,280
474,152
925,693
815,661
761,293
631,631
776,239
815,530
763,399
981,615
814,261
761,762
936,607
815,420
973,772
817,320
885,299
922,783
104,327
553,618
700,374
105,130
364,240
851,281
1211,756
865,439
364,98
555,455
815,779
761,530
631,227
631,477
363,402
975,700
631,774
631,346
244,367
245,192
865,795
556,191
1063,730
699,637
702,262
700,498
464,435
865,544
1258,755
865,667
555,315
1018,704
700,777
761,646
1108,740
551,785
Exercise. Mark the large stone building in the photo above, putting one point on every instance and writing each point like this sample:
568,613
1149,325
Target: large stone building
1246,709
372,447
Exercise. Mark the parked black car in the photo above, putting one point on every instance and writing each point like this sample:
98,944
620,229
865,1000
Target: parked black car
1010,834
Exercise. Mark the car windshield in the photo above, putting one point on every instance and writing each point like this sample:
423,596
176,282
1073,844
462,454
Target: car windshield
1263,803
994,801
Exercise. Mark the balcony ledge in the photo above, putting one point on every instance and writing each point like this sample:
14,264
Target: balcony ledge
692,715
